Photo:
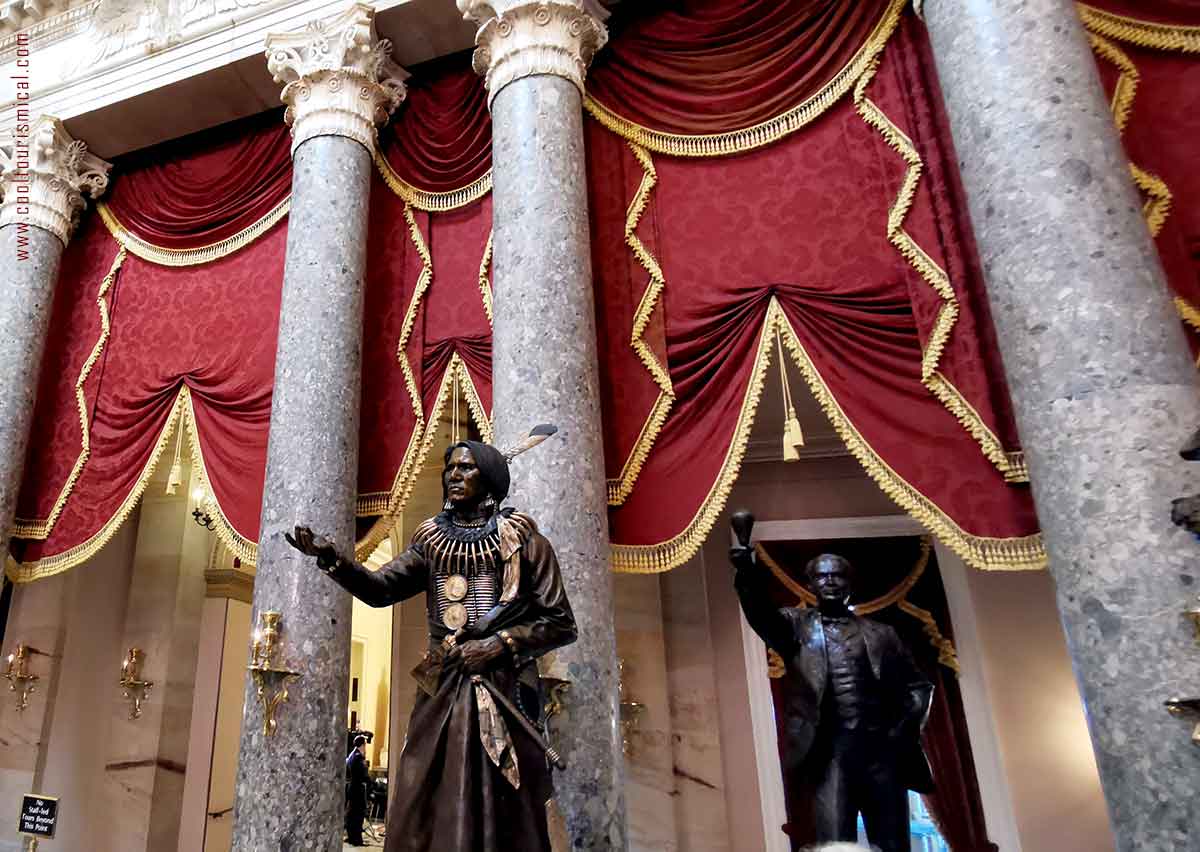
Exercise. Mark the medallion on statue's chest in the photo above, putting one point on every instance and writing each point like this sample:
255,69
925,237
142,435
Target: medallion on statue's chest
456,587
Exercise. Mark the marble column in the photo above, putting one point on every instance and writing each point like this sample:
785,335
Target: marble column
44,176
1101,381
340,83
534,56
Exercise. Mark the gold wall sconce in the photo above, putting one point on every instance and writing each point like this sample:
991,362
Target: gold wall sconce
19,679
631,711
134,688
1187,708
1193,613
270,680
555,689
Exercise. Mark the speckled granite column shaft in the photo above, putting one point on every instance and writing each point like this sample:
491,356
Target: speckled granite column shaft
26,297
290,787
544,370
1101,381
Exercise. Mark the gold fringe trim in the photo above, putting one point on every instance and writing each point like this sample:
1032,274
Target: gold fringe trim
388,503
1021,553
766,132
1141,33
1125,91
48,566
620,488
240,546
1188,312
898,597
937,383
432,202
1157,206
947,655
485,281
40,530
656,558
390,510
190,257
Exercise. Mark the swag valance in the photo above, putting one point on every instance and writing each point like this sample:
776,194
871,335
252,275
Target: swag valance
844,237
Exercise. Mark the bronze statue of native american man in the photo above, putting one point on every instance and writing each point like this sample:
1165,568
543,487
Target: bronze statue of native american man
474,773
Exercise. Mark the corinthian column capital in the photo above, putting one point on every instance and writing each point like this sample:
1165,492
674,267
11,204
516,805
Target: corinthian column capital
339,78
520,38
44,175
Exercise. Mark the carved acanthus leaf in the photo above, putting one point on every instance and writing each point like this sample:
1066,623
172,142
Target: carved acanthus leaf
44,176
339,78
521,38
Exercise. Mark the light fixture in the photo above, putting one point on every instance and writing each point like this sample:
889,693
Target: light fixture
631,711
135,689
271,682
19,679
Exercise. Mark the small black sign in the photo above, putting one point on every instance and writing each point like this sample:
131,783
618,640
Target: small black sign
39,815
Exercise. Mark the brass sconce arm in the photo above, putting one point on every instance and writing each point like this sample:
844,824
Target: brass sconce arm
271,682
19,678
631,711
1187,708
133,687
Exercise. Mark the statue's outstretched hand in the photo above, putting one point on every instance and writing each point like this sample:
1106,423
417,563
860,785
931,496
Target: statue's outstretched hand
308,542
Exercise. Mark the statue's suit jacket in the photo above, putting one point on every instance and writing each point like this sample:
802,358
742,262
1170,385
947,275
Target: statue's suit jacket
799,638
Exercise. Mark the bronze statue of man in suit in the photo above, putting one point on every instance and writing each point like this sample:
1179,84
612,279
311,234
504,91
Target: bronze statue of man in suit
854,703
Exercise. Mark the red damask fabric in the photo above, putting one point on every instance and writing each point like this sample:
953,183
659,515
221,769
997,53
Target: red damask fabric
211,328
805,222
1160,136
206,187
709,66
440,139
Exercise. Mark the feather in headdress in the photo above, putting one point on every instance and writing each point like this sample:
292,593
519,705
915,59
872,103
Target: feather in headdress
530,440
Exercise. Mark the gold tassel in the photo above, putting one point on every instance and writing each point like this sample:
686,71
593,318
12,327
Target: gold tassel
175,477
793,435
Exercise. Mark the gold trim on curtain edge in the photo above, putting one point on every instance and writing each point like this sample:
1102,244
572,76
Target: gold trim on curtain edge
620,488
897,596
986,553
48,566
1157,206
40,530
432,202
190,257
240,546
1149,34
763,133
390,502
457,368
485,281
1009,463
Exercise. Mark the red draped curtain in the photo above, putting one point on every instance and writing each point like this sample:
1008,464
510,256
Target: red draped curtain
1148,54
827,221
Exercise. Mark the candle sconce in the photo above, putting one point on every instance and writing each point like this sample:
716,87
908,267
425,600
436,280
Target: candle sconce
554,688
135,689
19,679
271,681
1193,614
631,711
1187,708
